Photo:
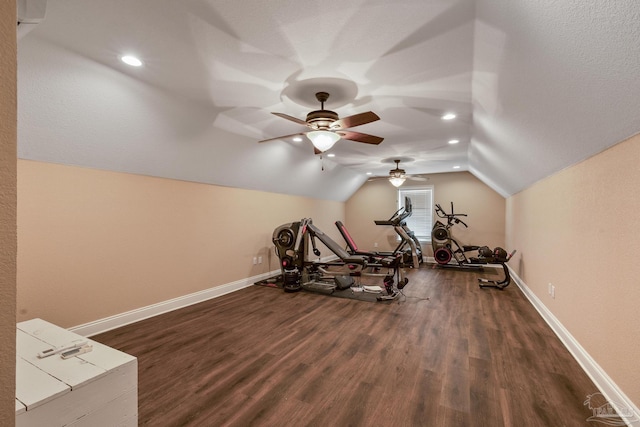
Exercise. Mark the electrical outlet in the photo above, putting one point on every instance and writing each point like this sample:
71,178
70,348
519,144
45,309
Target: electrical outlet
375,245
259,260
553,291
255,260
549,288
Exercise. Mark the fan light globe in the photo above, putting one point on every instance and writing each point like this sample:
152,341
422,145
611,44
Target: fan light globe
323,139
131,60
396,181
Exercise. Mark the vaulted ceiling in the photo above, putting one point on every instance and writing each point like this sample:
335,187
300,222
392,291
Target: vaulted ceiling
535,86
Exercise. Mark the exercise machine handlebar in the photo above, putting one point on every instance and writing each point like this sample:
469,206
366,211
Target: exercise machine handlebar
452,218
398,216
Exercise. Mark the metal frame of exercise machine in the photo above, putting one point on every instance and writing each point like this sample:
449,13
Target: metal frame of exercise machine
409,246
446,249
340,277
499,256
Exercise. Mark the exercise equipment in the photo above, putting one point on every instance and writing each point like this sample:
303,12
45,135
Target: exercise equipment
447,252
409,245
340,277
408,248
445,247
498,256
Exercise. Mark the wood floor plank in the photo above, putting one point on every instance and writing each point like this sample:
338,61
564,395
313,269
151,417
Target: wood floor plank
455,388
447,353
484,393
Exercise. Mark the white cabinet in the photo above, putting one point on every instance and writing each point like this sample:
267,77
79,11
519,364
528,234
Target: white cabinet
98,388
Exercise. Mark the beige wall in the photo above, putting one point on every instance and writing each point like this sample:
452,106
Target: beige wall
93,244
378,200
579,230
7,212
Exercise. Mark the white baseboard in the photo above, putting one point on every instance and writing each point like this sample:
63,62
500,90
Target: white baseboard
605,384
108,323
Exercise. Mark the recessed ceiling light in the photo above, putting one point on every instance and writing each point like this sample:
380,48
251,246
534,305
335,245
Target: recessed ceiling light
449,116
331,155
454,141
456,167
297,138
369,173
131,60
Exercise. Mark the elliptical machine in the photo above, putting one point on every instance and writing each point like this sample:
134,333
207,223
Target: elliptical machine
449,253
446,248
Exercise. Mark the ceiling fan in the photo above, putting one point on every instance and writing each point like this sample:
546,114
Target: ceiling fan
398,176
327,128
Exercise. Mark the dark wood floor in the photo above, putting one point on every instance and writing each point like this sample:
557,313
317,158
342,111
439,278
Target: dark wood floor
447,354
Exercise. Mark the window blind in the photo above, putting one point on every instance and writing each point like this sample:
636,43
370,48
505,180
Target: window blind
421,219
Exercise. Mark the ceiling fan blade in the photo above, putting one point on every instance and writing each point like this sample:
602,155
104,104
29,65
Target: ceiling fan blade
283,137
417,178
293,119
355,120
360,137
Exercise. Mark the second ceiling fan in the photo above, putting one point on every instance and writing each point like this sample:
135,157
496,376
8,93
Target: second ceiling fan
327,127
398,176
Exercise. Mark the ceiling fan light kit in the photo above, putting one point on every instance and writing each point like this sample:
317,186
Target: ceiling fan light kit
323,140
396,181
397,176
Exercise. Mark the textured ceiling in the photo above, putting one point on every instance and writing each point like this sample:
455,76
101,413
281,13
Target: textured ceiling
537,86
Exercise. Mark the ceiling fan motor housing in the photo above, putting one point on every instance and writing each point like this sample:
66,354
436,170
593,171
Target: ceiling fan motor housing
397,172
321,119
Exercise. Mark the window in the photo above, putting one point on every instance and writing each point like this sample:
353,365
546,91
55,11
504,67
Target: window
421,219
